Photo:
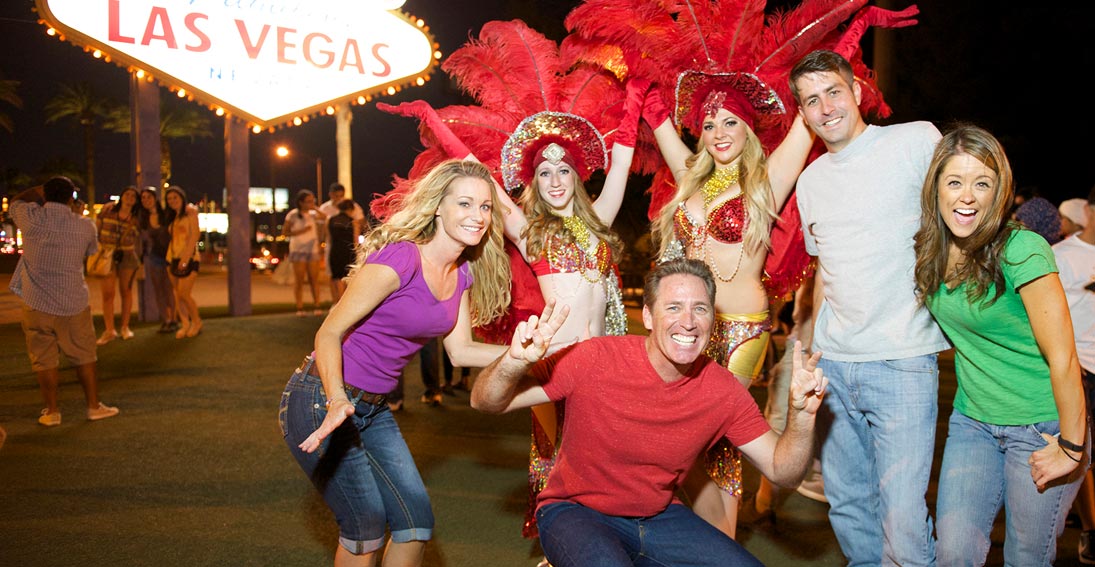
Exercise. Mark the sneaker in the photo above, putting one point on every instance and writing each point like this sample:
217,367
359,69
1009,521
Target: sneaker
102,412
1087,547
49,419
126,334
106,337
431,398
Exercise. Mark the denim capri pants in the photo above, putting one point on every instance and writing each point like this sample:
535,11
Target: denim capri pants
364,469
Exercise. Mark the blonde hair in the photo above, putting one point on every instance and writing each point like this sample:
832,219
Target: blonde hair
760,205
543,225
414,220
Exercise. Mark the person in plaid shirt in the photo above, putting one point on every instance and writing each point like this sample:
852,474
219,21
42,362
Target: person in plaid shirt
49,278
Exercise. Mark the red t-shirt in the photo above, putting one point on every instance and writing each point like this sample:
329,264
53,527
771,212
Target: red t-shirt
629,438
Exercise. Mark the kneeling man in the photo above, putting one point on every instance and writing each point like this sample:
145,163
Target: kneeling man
639,411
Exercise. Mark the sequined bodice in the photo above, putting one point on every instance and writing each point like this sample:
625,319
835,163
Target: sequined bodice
726,223
561,258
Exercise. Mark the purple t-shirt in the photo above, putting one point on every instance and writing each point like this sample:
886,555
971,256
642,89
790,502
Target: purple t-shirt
377,348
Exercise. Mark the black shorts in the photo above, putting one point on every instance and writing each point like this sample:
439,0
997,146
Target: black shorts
182,272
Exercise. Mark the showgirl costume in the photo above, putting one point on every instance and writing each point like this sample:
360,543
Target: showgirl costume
730,54
738,341
539,138
537,103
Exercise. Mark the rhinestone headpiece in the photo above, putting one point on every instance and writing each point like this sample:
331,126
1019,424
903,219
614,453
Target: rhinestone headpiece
701,94
574,138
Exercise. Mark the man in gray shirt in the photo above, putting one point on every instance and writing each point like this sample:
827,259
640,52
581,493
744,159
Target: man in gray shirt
49,278
860,207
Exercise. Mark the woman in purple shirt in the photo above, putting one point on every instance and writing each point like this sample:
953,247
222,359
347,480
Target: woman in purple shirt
413,282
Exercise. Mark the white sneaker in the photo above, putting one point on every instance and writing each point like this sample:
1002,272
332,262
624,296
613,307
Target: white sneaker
102,412
50,419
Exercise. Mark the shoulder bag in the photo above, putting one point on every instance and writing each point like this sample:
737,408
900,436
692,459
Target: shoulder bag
101,263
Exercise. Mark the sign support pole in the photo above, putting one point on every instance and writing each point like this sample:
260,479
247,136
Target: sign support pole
144,147
237,179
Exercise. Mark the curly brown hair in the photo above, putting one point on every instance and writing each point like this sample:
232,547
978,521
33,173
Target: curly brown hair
984,248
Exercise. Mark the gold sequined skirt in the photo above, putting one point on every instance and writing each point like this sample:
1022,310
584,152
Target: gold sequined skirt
738,343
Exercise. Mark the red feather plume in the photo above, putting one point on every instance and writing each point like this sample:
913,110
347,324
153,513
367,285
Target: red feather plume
510,68
659,39
513,72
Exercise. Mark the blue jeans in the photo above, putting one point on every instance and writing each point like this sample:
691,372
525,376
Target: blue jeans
363,469
987,465
878,427
574,535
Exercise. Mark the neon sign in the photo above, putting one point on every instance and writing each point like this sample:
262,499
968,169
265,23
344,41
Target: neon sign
267,62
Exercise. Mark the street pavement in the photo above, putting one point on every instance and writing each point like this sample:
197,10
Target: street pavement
241,363
210,290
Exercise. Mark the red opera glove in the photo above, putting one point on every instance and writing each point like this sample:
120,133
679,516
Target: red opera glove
872,16
654,110
425,113
628,131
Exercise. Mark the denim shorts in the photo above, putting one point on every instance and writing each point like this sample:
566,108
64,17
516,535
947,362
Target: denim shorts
306,255
364,469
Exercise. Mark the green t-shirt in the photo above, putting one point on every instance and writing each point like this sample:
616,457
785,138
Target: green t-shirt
1003,379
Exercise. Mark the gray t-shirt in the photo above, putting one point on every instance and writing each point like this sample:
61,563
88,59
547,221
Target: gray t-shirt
860,209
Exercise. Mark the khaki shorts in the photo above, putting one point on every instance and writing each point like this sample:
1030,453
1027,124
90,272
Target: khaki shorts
49,335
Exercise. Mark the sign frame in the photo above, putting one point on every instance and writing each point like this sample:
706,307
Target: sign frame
143,70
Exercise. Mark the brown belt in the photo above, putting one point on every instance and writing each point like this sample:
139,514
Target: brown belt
351,391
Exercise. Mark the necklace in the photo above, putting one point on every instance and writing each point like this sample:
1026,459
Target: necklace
714,265
720,180
580,262
578,229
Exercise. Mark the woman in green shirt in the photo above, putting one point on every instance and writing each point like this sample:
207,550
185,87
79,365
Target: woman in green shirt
1017,434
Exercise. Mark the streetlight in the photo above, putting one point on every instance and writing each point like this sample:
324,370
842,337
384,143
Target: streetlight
283,152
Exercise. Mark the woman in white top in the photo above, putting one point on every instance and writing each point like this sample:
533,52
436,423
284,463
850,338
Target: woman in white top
301,227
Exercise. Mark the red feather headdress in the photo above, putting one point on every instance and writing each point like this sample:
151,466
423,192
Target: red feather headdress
579,143
530,92
704,46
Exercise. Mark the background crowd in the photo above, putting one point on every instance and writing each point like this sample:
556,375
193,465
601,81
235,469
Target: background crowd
914,241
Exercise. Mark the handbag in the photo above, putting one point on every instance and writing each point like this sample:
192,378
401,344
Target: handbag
181,272
101,263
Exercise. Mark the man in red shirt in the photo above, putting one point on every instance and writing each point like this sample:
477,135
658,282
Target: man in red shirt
639,412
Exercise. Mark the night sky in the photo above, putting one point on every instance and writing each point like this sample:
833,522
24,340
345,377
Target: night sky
1014,68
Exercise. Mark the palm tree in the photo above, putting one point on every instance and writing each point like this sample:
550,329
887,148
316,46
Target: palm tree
175,122
8,95
83,105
